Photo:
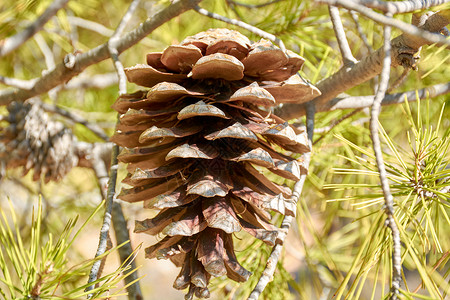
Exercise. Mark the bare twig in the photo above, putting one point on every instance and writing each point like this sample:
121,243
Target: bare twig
267,274
18,83
361,33
367,101
77,119
12,43
104,232
114,53
407,28
389,200
244,25
400,7
346,53
251,6
64,72
403,46
46,51
99,81
90,25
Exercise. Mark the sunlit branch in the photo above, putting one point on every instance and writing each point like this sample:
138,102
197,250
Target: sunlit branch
104,231
379,18
367,101
12,43
98,81
243,25
46,51
400,7
403,48
346,52
388,198
90,25
18,83
361,33
63,72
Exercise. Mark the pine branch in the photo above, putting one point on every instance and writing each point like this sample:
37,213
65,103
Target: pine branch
389,200
362,35
358,102
18,83
402,53
75,64
243,25
346,52
379,18
267,274
12,43
99,81
90,25
400,7
104,231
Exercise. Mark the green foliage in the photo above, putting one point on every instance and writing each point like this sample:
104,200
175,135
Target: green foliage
40,269
419,179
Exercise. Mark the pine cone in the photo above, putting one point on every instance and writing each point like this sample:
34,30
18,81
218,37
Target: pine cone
195,141
33,141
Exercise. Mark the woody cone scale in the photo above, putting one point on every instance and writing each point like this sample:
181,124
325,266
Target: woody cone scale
33,141
196,144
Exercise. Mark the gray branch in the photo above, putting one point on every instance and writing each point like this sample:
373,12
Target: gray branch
379,18
243,25
400,7
267,274
338,28
403,49
65,71
12,43
359,102
389,200
99,81
18,83
90,25
104,231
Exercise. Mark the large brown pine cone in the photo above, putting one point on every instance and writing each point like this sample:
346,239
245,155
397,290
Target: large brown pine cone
195,144
33,141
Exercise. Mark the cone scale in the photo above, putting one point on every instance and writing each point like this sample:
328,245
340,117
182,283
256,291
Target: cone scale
33,141
195,143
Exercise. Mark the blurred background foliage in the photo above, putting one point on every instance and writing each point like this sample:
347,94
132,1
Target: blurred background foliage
339,245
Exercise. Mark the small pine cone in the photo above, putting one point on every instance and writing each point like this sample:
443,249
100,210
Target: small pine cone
195,142
33,141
